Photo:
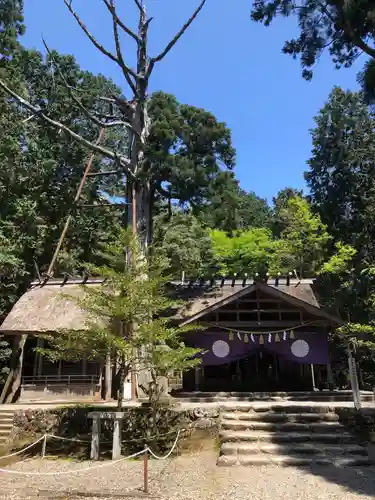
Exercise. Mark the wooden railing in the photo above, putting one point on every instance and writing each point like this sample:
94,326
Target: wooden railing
60,380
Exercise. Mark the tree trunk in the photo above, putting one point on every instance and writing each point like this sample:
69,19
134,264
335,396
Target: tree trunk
13,382
120,394
108,377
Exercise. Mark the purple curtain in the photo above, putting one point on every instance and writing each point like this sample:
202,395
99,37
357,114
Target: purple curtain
309,348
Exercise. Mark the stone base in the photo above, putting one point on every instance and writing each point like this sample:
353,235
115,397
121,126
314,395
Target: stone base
59,392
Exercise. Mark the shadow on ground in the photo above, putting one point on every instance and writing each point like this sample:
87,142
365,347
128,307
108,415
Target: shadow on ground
360,480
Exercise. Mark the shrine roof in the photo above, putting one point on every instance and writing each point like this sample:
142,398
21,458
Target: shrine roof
46,307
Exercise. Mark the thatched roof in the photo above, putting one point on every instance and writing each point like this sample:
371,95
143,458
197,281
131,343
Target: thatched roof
44,308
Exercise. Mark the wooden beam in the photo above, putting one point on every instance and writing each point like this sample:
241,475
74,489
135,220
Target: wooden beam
271,299
294,311
258,311
277,325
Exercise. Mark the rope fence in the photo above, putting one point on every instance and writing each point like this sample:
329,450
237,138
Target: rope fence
146,451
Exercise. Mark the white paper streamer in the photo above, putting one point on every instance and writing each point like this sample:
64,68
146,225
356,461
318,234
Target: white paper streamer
252,337
269,337
284,336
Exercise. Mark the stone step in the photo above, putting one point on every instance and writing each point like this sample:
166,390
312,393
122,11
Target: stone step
238,448
281,417
4,431
315,427
285,437
272,408
280,460
272,396
6,425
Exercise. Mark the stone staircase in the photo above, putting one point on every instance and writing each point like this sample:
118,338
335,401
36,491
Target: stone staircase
6,425
303,396
287,435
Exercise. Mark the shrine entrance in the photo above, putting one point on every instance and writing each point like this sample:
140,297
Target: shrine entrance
266,337
261,371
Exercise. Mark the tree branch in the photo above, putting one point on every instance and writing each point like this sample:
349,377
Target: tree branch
354,37
91,116
139,5
112,10
125,162
361,44
93,40
127,72
99,46
173,42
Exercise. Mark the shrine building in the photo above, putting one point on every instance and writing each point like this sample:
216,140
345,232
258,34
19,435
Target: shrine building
254,335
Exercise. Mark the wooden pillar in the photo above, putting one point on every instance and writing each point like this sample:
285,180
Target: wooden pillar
329,376
95,438
276,365
40,359
238,372
197,378
36,359
108,378
116,444
84,367
313,377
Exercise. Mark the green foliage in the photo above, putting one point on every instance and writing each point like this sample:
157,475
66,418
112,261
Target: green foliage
188,151
340,262
11,24
40,173
248,252
184,242
362,337
301,245
280,202
304,234
5,354
344,27
230,208
342,189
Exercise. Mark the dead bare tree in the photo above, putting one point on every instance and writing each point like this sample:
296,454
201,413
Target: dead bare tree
131,113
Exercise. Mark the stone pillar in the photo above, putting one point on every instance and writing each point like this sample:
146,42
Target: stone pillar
95,438
116,444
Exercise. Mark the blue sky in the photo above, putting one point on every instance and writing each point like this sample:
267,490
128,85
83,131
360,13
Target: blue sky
226,64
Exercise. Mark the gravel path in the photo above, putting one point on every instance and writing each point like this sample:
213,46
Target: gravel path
187,477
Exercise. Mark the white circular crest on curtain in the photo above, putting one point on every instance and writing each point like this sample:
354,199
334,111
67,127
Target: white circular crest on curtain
220,348
300,348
